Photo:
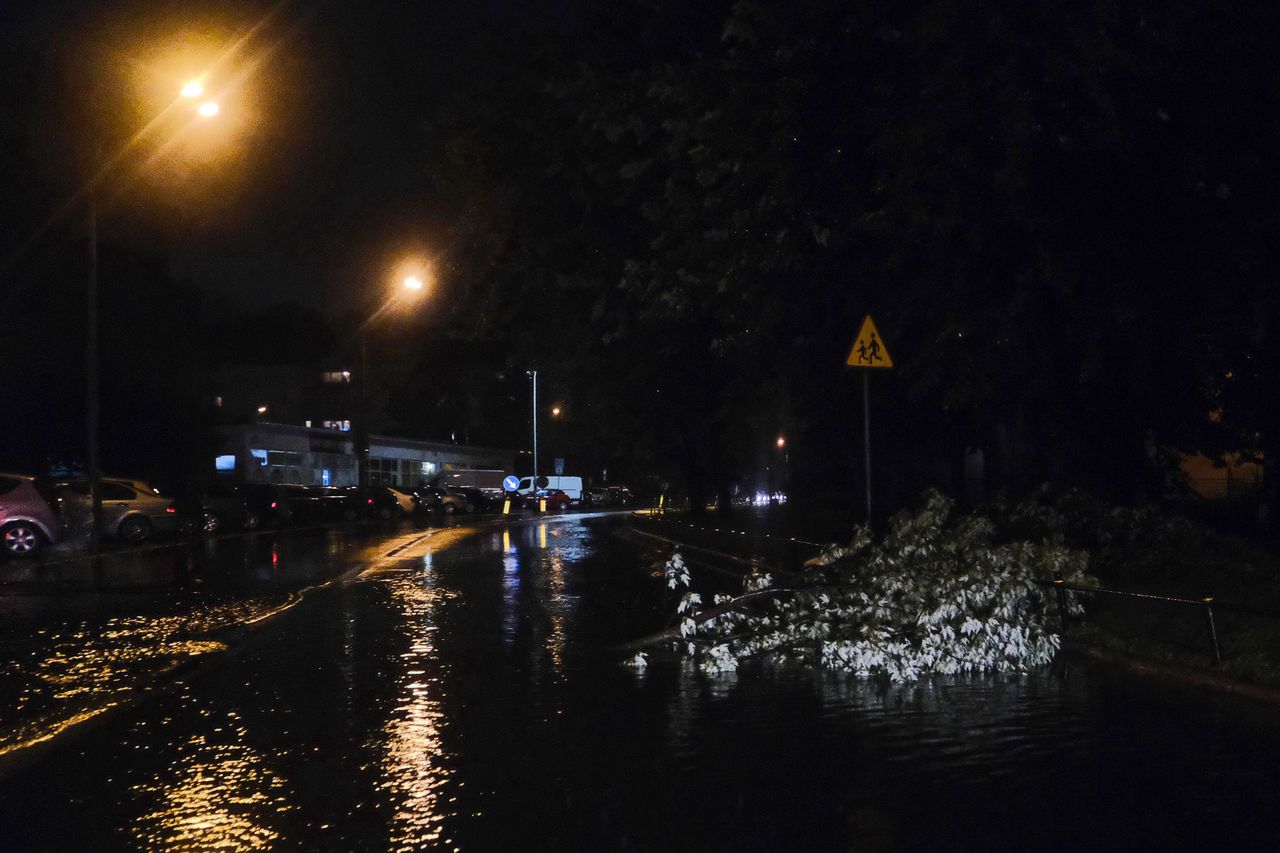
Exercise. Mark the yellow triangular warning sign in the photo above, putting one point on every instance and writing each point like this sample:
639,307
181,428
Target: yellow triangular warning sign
869,349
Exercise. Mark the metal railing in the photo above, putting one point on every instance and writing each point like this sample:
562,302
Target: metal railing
1208,605
786,553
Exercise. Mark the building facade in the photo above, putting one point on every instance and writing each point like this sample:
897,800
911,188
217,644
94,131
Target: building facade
299,455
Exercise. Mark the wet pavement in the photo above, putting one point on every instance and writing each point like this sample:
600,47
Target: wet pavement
456,689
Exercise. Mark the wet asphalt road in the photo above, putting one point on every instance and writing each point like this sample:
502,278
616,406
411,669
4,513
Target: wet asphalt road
455,689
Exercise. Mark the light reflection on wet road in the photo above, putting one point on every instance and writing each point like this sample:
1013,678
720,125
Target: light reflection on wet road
459,694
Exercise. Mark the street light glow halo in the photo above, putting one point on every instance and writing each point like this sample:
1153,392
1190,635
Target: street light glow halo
193,89
208,109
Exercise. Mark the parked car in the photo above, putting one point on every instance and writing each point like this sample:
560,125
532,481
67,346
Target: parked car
219,507
607,496
132,510
27,520
556,499
372,501
481,500
450,502
267,501
324,504
404,499
596,497
321,504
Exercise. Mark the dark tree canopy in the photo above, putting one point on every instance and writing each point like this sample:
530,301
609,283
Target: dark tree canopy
1058,213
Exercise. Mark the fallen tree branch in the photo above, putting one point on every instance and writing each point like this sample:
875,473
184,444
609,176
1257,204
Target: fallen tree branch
673,633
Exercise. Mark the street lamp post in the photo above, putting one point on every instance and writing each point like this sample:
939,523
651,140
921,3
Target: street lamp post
93,464
534,374
92,471
362,458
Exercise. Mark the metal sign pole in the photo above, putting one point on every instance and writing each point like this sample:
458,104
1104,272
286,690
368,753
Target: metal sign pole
868,353
535,432
866,432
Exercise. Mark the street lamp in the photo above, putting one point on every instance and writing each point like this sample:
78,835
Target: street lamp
786,462
534,374
209,109
412,286
555,411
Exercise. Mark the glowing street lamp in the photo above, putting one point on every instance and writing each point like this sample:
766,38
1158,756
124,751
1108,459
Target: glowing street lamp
782,442
190,90
555,411
414,275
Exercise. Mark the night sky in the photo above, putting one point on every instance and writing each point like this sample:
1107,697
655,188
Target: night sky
322,184
1062,219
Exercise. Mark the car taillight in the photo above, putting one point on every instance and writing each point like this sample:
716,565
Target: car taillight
274,504
370,501
170,508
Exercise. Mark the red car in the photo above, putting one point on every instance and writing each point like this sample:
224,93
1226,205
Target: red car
556,499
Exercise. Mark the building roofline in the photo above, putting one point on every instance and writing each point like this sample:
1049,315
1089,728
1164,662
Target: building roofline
316,432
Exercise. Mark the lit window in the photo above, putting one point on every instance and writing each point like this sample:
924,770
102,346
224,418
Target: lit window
325,477
226,462
217,401
284,457
260,455
337,376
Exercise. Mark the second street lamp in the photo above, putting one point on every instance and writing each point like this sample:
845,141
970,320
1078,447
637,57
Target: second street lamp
411,287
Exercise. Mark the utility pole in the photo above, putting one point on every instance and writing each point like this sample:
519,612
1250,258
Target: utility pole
92,463
534,374
362,435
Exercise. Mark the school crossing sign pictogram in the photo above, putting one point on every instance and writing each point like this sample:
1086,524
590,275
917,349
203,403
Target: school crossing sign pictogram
869,349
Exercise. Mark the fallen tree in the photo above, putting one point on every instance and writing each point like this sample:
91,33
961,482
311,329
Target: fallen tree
938,594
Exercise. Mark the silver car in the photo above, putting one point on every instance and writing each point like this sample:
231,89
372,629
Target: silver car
27,521
131,509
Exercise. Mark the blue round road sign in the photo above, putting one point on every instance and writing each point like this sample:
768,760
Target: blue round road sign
511,484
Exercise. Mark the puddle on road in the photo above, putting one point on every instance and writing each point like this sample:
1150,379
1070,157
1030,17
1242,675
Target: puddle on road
63,676
223,789
460,696
70,652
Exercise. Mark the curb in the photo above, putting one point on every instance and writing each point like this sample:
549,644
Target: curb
1187,676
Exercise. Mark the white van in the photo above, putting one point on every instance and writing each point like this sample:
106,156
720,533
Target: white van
571,486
